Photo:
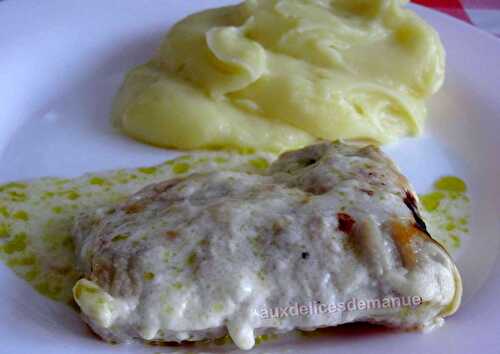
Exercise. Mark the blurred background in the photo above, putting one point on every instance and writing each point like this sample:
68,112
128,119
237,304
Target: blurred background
484,14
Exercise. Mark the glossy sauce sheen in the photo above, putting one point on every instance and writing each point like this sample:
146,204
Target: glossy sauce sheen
199,257
36,217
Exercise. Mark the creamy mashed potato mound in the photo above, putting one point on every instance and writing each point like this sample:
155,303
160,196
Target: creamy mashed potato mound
278,74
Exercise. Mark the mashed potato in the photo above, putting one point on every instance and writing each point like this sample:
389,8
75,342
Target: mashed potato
278,74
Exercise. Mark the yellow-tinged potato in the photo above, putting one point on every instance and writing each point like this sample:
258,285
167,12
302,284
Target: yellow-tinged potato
171,112
277,74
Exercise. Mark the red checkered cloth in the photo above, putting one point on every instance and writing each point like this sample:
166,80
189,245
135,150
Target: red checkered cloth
484,14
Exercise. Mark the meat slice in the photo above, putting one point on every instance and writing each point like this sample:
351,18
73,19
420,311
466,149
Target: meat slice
327,226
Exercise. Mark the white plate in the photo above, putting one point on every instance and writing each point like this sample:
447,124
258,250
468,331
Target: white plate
60,64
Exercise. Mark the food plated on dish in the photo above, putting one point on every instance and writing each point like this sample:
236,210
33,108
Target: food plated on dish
198,257
276,75
218,243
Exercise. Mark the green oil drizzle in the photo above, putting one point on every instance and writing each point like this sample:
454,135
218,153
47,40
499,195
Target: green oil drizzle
432,200
451,184
21,215
97,181
259,163
36,218
147,170
180,167
446,210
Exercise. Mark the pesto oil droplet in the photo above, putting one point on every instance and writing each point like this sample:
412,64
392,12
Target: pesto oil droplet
451,184
446,210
